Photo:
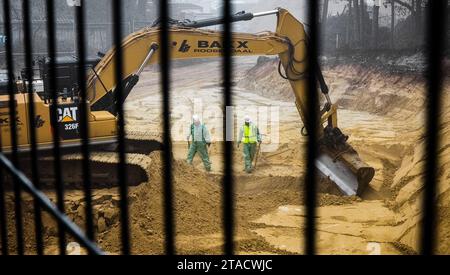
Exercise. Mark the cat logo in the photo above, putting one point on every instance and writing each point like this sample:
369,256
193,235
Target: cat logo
67,114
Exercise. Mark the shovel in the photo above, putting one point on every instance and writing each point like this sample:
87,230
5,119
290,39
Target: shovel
257,154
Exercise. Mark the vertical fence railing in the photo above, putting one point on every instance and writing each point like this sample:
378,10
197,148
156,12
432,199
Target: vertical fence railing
26,13
3,214
227,182
436,33
59,185
312,121
84,119
169,224
122,172
13,127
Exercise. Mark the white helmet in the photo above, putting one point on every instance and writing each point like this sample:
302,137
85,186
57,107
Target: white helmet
195,118
247,119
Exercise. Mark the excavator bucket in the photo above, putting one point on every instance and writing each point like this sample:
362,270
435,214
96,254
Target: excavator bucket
340,163
350,174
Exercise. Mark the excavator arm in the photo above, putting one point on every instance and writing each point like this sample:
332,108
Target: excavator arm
337,159
141,49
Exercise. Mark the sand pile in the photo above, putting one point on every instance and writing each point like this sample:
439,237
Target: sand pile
265,80
408,186
198,210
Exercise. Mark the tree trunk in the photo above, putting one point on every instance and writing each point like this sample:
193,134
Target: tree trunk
323,24
392,24
361,23
349,34
324,12
357,31
418,22
376,10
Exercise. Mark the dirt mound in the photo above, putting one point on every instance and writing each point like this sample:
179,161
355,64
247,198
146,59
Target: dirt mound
196,204
265,80
395,92
375,90
408,186
198,207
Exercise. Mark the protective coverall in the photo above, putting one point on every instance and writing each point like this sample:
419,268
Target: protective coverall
200,140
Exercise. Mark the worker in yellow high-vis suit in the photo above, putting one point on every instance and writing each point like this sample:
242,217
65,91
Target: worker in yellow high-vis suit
250,136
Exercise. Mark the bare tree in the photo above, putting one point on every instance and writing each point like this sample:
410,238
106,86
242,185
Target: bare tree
415,8
325,12
362,9
356,22
392,24
349,28
375,17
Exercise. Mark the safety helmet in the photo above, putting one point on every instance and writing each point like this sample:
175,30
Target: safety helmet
195,118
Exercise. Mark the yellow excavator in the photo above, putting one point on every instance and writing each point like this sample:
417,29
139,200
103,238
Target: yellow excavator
337,160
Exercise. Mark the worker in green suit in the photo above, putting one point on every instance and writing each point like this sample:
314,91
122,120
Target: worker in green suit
200,141
250,136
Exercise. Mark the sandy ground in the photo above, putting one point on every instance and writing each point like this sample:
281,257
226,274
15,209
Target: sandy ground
384,121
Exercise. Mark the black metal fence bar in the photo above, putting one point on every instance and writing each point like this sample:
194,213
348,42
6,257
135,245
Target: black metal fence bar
13,126
435,41
169,225
3,216
311,122
122,172
31,120
47,205
59,185
228,184
3,219
84,119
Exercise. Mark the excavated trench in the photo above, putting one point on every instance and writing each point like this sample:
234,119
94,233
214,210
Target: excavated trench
382,112
102,167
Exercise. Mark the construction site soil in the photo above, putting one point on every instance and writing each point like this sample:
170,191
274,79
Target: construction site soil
382,112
